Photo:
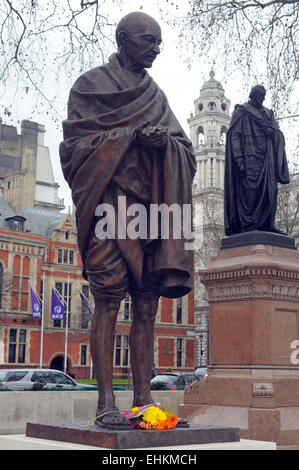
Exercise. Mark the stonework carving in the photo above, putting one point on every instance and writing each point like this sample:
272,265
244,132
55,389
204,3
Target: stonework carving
265,390
259,282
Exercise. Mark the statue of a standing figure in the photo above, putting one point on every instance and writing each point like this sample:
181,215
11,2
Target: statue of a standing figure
255,162
123,143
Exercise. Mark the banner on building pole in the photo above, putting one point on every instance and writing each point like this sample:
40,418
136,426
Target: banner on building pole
35,304
57,307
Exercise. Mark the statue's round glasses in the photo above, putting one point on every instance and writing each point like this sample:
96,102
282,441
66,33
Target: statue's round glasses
149,40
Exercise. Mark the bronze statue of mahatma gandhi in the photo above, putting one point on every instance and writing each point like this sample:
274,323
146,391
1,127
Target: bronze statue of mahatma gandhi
121,139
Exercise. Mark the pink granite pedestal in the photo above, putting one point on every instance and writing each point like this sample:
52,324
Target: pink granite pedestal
253,379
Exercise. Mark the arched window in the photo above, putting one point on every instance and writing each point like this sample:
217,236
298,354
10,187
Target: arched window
25,284
200,136
16,283
212,105
223,132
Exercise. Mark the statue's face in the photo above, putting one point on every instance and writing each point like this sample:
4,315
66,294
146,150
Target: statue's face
143,43
258,97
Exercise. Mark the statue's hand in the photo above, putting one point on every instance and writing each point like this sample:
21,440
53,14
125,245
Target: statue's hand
240,165
152,136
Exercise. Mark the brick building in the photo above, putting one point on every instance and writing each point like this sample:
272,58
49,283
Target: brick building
38,247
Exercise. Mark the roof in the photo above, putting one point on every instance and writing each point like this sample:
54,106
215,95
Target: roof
210,86
6,212
41,221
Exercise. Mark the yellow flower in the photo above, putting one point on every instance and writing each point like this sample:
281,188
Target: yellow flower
153,415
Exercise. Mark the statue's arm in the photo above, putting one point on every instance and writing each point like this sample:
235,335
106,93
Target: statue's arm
236,144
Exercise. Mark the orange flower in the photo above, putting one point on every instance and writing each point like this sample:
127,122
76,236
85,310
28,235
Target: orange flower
160,425
171,422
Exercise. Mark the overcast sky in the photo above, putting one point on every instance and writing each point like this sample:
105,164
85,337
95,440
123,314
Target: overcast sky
181,85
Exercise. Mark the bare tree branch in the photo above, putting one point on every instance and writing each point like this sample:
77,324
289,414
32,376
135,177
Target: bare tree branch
42,41
256,38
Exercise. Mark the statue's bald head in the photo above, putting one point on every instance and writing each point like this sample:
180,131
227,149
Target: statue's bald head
134,23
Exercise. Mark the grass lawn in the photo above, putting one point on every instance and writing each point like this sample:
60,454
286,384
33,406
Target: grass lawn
94,382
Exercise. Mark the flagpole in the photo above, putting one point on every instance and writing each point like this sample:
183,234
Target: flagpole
42,325
66,323
90,370
86,299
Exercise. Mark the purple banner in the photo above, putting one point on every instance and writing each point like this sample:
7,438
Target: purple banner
57,307
35,303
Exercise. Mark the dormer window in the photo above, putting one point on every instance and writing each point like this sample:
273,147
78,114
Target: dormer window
17,223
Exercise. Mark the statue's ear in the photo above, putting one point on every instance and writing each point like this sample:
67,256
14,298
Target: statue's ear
122,38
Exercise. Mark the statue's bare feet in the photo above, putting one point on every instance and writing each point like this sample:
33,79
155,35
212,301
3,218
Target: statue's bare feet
112,419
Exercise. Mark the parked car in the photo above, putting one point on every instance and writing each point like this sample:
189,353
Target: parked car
173,380
201,371
43,379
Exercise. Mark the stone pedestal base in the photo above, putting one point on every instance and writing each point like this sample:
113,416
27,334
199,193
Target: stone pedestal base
263,404
253,380
92,435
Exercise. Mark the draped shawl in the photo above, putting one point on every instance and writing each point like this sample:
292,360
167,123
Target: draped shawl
105,109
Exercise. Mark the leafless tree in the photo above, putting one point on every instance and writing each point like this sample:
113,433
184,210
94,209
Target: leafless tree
259,38
287,214
58,39
6,287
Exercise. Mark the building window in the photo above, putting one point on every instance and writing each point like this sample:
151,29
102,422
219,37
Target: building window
17,346
179,310
83,355
200,135
65,256
223,132
20,284
179,352
128,308
121,354
1,284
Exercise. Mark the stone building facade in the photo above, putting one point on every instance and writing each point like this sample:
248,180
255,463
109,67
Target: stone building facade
208,126
38,247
